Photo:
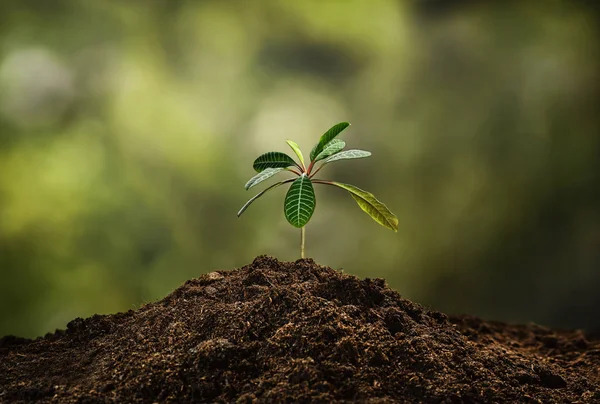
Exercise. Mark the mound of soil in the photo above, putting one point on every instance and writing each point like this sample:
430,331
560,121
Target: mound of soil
296,332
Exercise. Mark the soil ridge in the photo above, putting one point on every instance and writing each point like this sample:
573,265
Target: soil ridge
282,332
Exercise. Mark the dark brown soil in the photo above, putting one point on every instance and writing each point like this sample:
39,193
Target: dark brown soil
297,332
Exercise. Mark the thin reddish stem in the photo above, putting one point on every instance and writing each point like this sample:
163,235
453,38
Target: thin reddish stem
294,171
316,171
317,181
310,167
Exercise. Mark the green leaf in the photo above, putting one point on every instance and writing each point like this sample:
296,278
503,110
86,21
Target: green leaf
296,150
327,137
331,148
373,207
261,193
348,154
300,202
262,176
273,160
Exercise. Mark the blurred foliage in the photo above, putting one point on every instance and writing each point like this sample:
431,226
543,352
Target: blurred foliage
128,129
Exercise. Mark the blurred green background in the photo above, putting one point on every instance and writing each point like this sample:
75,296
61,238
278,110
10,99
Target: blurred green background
128,129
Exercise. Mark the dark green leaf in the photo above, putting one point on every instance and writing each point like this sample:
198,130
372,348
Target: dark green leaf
273,160
327,137
300,202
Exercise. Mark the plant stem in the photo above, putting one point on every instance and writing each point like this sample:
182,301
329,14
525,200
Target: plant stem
294,171
316,171
310,167
317,181
302,239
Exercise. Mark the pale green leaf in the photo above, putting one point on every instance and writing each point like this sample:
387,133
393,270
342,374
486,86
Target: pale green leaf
373,207
331,148
296,150
348,154
262,176
327,137
300,202
273,160
261,193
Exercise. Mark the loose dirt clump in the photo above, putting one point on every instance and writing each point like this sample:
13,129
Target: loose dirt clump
296,332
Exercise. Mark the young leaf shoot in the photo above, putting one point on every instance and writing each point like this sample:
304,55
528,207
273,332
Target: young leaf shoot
299,204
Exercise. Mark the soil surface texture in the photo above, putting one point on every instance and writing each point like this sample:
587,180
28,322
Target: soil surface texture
280,332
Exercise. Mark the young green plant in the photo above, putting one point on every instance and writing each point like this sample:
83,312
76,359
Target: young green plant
300,202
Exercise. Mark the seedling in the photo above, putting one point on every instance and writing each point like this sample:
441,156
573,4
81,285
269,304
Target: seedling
300,202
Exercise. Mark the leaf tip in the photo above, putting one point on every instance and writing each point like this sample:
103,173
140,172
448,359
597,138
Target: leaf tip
395,224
